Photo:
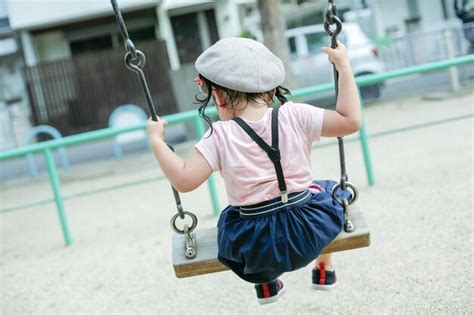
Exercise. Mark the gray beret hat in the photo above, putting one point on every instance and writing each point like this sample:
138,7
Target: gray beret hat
241,64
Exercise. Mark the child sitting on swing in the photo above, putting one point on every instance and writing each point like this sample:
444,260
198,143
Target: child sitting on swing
278,219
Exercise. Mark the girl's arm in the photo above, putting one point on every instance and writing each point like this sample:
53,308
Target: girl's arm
184,175
347,118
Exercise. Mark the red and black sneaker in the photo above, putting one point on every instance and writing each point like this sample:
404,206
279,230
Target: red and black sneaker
323,279
270,292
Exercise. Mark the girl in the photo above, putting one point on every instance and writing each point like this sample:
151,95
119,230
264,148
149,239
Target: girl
278,219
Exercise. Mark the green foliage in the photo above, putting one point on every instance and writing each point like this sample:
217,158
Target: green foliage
246,34
382,41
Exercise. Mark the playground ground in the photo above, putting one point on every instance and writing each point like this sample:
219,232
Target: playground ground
420,214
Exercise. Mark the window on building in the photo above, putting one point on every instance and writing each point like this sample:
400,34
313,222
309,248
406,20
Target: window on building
186,34
142,35
212,25
98,43
292,46
318,40
4,24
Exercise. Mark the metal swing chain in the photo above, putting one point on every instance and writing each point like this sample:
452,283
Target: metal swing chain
331,18
135,61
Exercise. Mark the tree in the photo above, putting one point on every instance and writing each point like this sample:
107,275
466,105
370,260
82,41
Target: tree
273,29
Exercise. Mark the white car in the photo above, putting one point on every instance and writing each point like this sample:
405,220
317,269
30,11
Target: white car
310,66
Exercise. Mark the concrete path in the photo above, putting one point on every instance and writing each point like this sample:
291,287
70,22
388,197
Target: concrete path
420,214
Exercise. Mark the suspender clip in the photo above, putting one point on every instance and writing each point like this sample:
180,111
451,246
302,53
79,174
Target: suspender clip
274,154
284,196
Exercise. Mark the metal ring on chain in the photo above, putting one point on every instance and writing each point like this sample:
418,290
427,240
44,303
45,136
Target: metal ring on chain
355,193
191,228
327,26
132,66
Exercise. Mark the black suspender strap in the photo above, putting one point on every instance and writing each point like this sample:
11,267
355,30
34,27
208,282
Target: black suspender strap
273,151
277,163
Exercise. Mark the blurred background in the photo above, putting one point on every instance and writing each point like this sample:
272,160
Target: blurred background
62,74
61,62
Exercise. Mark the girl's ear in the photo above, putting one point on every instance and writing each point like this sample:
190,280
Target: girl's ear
270,95
219,97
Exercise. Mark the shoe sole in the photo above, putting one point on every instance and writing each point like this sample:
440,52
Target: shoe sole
324,287
272,299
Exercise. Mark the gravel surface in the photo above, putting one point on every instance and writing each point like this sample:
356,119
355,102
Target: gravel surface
420,215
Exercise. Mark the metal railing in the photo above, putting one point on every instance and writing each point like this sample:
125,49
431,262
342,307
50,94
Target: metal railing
414,48
48,146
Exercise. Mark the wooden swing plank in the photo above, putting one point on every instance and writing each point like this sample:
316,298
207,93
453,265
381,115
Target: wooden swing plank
206,258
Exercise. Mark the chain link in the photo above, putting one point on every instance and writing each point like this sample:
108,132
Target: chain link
135,60
135,66
131,48
331,12
182,231
190,244
331,18
133,54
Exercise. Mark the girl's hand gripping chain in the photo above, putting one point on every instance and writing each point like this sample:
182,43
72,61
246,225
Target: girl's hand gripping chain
184,175
156,129
347,117
338,56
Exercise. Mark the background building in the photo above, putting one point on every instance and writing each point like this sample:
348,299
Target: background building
73,54
61,63
13,97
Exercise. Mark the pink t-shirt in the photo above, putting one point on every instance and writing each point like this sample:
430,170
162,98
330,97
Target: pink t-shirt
248,173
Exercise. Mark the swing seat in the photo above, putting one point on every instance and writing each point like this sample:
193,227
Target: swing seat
206,259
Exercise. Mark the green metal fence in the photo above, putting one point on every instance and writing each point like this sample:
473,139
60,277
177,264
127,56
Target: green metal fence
48,146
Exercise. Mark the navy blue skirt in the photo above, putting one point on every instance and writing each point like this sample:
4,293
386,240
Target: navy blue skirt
260,249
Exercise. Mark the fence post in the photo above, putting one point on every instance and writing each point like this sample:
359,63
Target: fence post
453,71
199,125
58,198
365,146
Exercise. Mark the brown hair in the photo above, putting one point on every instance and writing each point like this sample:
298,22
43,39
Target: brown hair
233,97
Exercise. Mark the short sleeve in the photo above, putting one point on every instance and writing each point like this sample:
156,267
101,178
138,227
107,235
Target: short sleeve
310,119
207,146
